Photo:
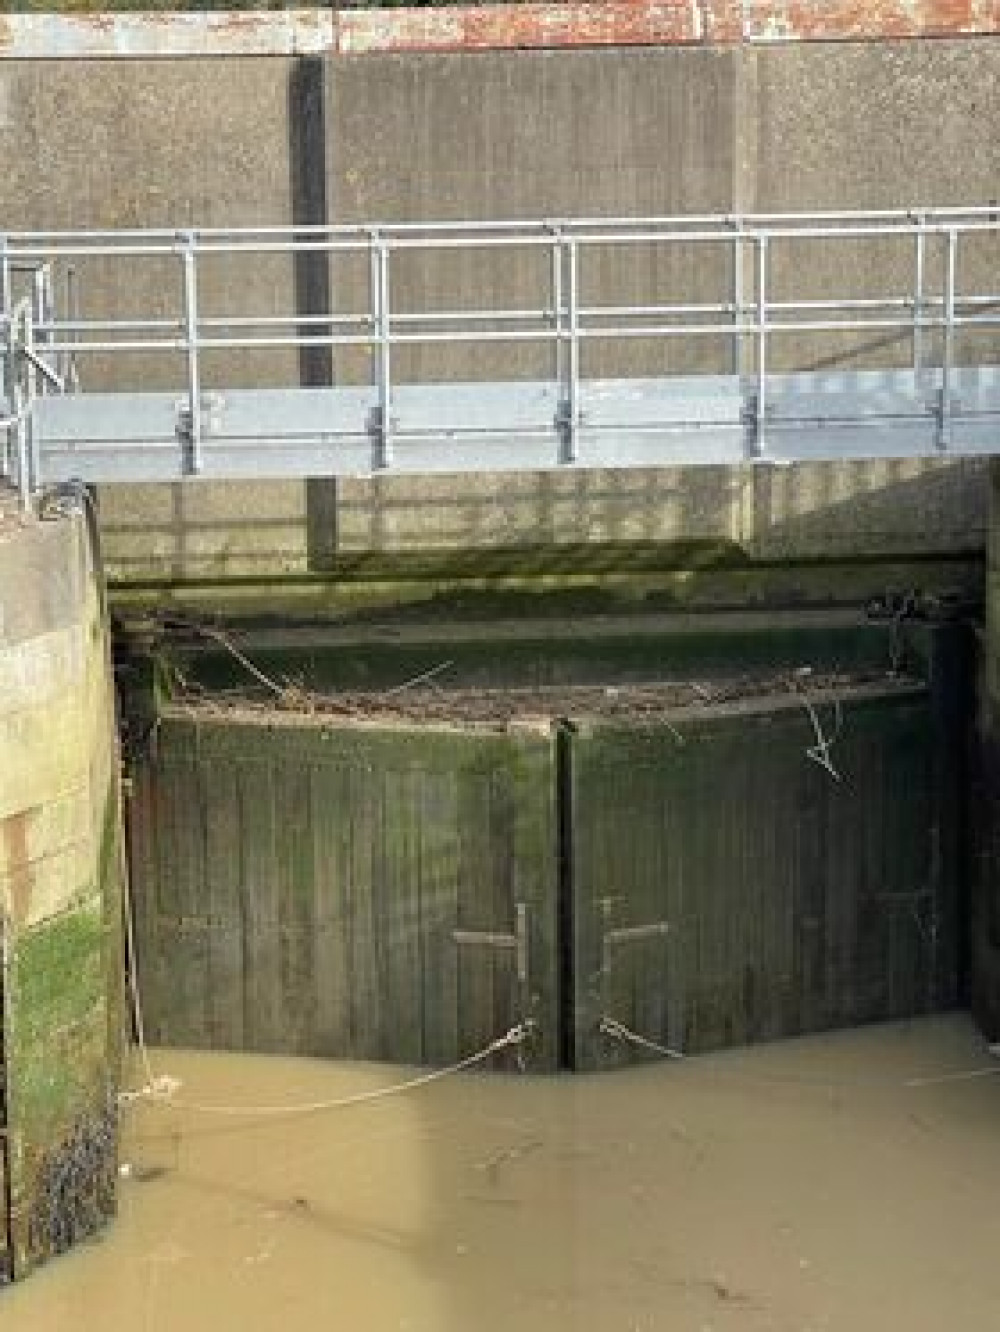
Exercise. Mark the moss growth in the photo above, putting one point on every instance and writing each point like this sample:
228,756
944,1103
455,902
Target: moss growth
110,869
523,586
65,1030
58,1008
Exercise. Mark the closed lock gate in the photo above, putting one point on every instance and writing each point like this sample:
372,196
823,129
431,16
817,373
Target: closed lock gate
411,894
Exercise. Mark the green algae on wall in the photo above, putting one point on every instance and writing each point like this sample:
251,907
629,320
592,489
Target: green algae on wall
63,1089
60,895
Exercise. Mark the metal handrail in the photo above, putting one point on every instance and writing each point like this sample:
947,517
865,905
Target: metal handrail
894,218
739,250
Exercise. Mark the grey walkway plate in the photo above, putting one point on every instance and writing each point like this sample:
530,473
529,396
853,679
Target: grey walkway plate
518,425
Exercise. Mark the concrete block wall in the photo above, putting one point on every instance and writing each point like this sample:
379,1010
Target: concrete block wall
60,907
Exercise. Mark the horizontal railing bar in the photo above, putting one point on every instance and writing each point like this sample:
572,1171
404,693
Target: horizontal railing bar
906,218
470,317
480,336
105,347
769,327
205,321
476,317
39,247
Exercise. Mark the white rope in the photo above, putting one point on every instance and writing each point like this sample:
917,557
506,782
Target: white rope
610,1027
967,1075
160,1091
133,976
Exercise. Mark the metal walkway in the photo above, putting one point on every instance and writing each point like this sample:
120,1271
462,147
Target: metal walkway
159,356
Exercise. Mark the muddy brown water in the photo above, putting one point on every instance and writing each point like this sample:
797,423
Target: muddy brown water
805,1185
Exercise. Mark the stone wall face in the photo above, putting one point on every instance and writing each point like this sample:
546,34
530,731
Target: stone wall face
60,881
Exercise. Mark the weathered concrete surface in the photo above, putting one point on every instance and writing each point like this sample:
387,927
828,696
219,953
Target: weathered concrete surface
152,143
655,130
532,25
650,23
60,905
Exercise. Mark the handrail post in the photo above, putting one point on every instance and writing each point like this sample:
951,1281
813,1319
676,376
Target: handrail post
6,293
948,355
22,394
737,271
759,441
20,415
556,257
570,449
68,368
6,359
194,461
38,284
31,447
918,294
379,301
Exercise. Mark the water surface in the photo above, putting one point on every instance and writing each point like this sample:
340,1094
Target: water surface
800,1186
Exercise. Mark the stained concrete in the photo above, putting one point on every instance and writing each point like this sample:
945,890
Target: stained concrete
60,886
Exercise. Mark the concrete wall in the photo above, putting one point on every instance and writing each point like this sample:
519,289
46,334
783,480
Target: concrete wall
60,910
515,133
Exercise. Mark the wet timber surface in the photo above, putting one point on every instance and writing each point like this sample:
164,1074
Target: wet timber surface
713,863
846,1181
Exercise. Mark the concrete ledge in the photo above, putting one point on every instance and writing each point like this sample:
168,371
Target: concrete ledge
347,32
41,589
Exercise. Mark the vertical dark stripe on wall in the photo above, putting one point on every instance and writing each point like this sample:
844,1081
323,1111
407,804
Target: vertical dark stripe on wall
566,947
307,163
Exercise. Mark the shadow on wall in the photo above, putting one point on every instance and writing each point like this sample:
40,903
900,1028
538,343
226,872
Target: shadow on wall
479,524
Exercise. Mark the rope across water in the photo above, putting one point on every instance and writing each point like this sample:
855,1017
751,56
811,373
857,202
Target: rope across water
163,1090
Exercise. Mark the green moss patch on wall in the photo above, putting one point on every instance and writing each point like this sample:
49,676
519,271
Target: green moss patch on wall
63,1118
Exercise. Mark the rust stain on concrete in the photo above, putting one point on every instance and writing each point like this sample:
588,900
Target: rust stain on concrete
534,25
657,23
